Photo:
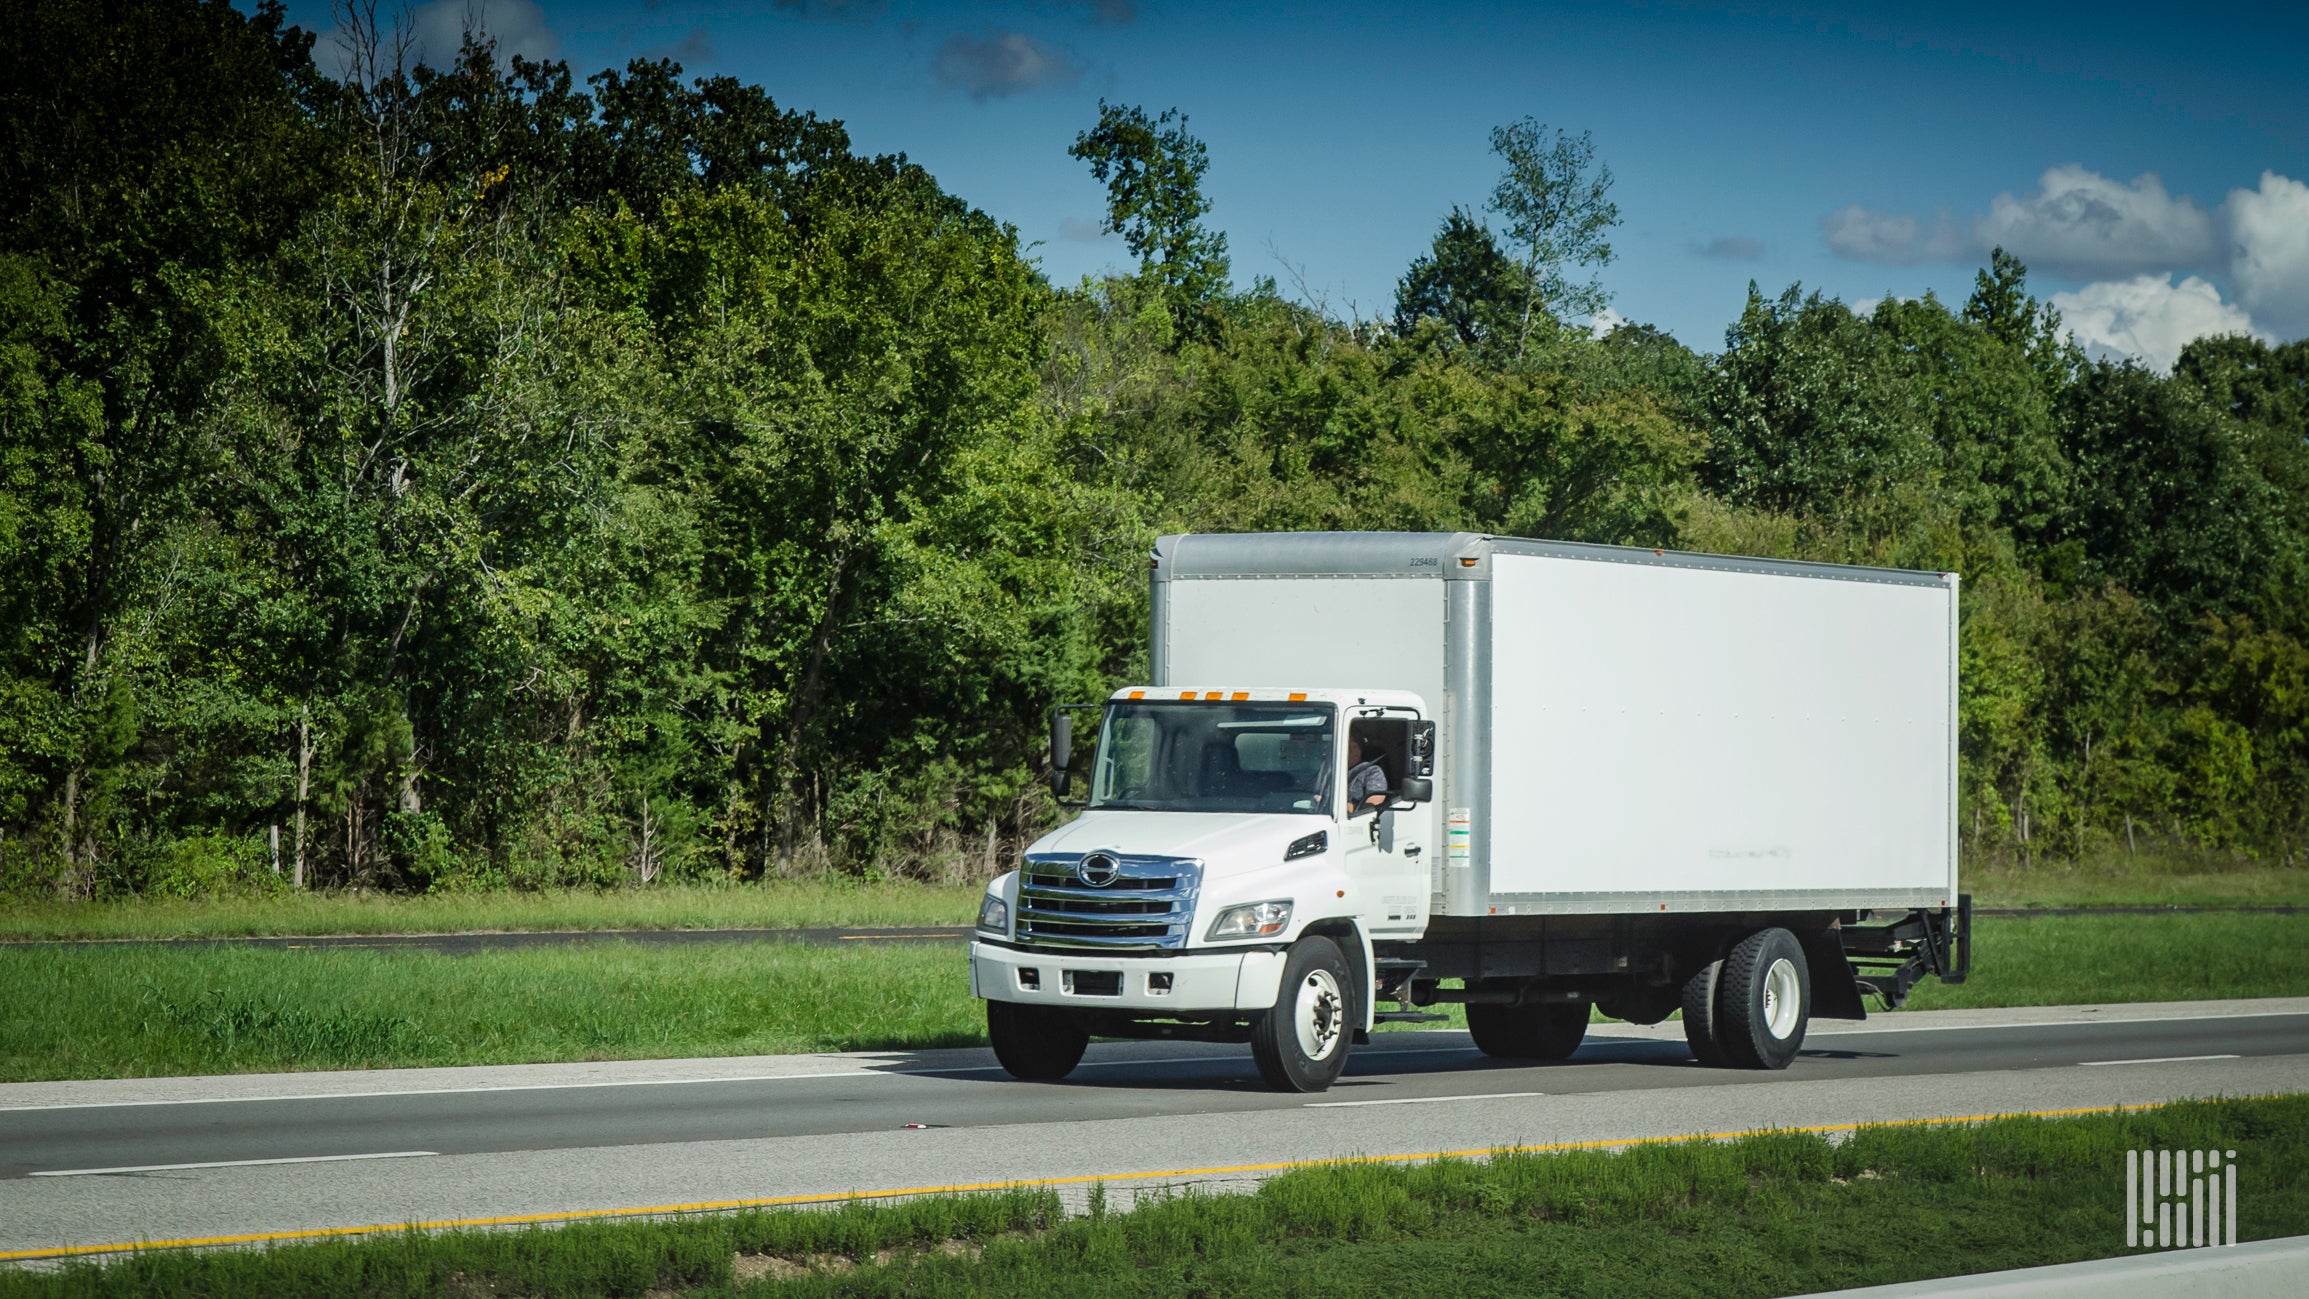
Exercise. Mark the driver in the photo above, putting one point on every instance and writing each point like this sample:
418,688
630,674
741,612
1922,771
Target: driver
1366,781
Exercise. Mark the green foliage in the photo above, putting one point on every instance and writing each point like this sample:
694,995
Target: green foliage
1551,194
1153,173
1464,283
481,477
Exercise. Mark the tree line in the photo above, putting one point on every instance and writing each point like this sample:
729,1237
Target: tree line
433,478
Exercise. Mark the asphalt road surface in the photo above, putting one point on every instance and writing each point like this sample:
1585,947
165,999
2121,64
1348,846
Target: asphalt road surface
106,1163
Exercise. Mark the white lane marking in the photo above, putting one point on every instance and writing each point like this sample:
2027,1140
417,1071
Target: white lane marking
231,1163
1871,1026
2162,1059
446,1091
1420,1100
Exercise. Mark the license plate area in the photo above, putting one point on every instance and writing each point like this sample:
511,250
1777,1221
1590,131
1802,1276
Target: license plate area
1093,983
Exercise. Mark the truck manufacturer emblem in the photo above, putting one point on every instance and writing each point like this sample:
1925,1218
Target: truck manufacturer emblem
1098,870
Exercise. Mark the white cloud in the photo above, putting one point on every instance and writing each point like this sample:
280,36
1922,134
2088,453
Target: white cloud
2269,250
2081,223
2148,317
1604,322
518,25
997,64
1867,235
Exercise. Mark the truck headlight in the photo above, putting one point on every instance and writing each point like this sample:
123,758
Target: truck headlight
1257,920
994,915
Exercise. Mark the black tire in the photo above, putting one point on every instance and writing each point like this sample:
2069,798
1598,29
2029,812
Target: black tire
1700,1030
1550,1032
1319,985
1755,1022
1035,1042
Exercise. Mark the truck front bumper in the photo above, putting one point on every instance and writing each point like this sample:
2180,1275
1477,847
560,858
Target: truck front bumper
1081,980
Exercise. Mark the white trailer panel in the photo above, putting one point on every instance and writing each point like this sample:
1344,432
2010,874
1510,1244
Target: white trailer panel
1698,736
1308,633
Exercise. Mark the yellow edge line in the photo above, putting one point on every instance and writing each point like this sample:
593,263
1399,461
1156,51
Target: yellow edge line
710,1206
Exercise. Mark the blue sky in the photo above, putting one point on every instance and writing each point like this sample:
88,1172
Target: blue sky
2147,160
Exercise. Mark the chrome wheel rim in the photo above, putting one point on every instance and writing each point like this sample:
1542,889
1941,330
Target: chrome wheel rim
1782,999
1319,1015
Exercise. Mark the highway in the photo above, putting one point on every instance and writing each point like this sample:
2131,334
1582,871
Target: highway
103,1163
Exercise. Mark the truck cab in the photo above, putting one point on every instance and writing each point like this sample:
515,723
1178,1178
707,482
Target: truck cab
1220,826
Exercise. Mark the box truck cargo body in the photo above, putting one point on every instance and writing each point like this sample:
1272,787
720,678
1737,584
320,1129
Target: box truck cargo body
1621,778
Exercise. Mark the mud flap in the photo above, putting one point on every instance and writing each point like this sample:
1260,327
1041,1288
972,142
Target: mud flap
1835,989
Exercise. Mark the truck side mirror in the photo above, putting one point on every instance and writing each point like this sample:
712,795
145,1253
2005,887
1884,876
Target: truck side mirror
1061,749
1422,750
1415,790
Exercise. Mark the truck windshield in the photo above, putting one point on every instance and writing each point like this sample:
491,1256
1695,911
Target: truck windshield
1198,757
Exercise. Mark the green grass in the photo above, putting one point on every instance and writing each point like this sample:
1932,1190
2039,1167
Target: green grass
147,1011
2080,960
2158,879
109,1012
1766,1215
2152,878
785,904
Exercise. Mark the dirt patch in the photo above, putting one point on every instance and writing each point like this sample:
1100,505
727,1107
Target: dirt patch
755,1267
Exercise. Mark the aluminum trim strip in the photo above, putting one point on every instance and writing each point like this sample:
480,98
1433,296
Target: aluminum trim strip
1587,904
1718,563
1185,893
1252,555
1108,919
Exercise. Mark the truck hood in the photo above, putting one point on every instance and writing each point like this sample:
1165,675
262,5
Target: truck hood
1228,842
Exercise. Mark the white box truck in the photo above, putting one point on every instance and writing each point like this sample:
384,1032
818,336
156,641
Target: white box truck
1536,778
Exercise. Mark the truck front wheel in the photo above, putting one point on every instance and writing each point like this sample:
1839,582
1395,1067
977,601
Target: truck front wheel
1035,1042
1550,1032
1301,1044
1764,1000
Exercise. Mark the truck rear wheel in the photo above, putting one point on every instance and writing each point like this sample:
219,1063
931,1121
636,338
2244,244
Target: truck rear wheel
1764,1000
1700,1025
1548,1032
1035,1042
1301,1044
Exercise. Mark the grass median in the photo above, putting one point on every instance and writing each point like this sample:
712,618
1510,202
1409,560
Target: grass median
1764,1215
138,1011
2110,879
146,1011
783,904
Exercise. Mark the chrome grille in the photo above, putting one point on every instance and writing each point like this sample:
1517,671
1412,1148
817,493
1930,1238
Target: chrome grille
1149,907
